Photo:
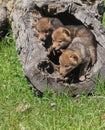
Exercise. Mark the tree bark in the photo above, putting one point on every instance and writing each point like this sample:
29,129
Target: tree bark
33,54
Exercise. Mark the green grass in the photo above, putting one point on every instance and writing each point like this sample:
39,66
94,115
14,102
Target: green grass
103,19
20,109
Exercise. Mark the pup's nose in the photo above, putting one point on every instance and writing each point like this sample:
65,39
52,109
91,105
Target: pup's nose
42,39
64,74
61,73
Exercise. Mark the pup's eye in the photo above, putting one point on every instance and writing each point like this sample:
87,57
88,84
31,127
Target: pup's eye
66,65
60,41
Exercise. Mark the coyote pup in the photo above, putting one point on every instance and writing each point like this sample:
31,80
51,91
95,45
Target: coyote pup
45,26
76,54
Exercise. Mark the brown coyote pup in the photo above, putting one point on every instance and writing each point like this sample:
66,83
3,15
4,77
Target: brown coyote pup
45,27
76,54
63,36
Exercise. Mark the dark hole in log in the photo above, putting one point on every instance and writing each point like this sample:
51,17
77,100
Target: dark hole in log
54,57
101,8
46,67
68,19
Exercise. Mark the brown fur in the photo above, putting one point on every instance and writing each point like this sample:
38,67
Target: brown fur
63,36
45,27
76,54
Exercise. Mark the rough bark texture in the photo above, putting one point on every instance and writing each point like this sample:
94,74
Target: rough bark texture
32,53
3,22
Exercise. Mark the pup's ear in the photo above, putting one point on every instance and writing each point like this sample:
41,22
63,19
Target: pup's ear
66,31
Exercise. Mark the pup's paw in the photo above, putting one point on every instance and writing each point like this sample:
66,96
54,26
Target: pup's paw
82,78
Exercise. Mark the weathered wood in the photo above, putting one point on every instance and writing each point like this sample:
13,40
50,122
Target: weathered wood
33,54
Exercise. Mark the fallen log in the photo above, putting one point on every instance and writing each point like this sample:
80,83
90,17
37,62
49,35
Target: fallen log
33,54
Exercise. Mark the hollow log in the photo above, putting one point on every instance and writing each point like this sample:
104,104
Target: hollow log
33,54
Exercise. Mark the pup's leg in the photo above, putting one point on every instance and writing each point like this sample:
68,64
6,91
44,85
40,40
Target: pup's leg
83,70
93,54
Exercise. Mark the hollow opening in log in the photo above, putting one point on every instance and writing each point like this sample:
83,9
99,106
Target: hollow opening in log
68,19
52,66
